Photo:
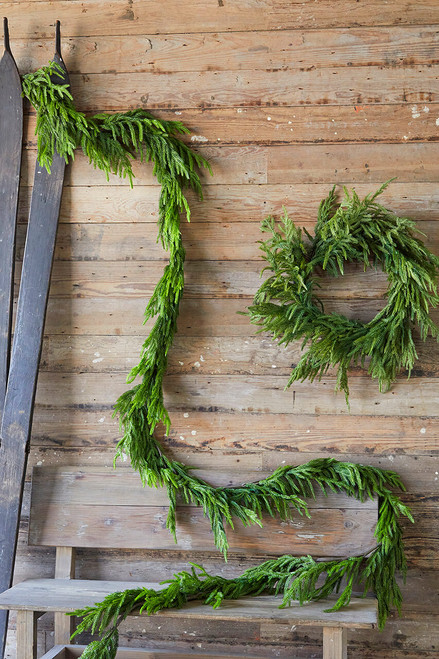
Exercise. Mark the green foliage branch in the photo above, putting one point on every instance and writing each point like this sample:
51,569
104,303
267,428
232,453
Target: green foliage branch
287,306
299,579
111,142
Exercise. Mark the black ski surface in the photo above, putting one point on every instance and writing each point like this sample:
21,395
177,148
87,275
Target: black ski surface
11,138
26,348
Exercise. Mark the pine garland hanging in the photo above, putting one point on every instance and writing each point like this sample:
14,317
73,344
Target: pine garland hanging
295,578
111,142
287,306
299,579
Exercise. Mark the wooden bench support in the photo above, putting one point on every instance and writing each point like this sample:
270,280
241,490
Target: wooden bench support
64,569
27,634
335,643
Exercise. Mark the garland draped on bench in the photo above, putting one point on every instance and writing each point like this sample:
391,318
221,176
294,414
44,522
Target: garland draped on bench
111,142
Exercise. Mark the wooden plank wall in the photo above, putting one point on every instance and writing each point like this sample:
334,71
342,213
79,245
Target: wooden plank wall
285,98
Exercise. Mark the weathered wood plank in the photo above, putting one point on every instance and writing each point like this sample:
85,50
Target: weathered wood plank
231,164
213,89
74,651
241,394
17,410
363,611
83,429
26,634
388,46
329,532
103,204
205,242
68,596
199,315
298,163
334,643
418,472
359,123
320,163
117,18
68,487
209,356
11,136
122,510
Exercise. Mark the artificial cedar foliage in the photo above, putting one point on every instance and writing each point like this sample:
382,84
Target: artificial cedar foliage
111,142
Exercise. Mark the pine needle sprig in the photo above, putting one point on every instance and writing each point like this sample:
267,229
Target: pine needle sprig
287,306
110,141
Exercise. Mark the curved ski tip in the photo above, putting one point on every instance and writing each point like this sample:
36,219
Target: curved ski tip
6,34
58,38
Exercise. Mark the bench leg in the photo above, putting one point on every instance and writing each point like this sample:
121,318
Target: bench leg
63,629
334,643
27,634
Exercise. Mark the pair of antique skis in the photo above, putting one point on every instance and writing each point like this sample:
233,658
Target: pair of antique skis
19,366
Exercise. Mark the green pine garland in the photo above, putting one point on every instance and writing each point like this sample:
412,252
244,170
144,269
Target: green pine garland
111,142
287,306
293,577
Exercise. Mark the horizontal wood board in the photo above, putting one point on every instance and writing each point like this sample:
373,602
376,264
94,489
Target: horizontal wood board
285,99
65,595
74,651
96,508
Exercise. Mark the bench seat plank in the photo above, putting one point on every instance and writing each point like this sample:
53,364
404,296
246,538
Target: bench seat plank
74,651
67,595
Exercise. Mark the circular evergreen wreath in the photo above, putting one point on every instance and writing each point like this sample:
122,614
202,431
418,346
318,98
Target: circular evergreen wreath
111,142
287,306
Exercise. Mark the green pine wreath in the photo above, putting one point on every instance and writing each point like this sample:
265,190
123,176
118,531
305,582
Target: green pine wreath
287,306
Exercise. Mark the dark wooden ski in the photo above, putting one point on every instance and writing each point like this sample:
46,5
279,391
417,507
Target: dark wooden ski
26,348
11,137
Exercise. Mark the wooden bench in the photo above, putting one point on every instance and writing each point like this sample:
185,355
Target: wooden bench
106,508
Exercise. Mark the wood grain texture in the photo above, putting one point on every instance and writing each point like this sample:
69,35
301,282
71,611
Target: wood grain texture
95,508
334,643
79,429
26,635
68,595
208,242
341,86
275,163
16,421
386,123
11,136
375,64
32,19
260,394
233,204
257,355
74,651
160,53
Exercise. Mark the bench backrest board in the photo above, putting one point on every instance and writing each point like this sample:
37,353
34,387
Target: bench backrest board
105,508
